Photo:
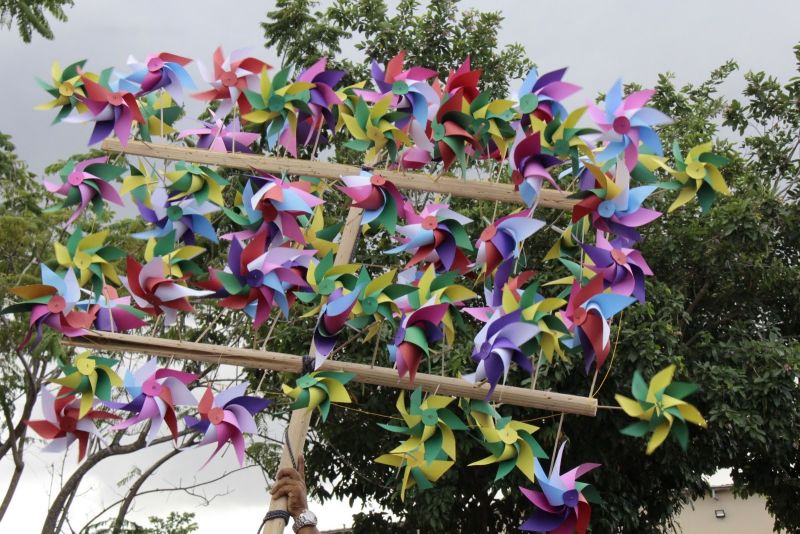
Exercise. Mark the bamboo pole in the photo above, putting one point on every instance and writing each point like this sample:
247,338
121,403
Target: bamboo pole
478,190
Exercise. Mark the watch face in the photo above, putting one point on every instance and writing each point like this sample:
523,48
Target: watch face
307,518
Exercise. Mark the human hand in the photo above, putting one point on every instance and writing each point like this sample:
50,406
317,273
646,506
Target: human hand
291,484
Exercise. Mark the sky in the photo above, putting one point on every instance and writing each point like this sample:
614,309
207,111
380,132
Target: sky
598,41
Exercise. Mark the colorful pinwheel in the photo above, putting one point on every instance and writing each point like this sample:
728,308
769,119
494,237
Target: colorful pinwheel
140,184
511,444
226,417
198,181
452,130
161,71
63,424
155,294
178,261
320,236
541,312
112,313
541,96
332,319
185,217
322,103
90,257
232,75
562,507
417,471
217,136
503,239
661,408
91,376
493,124
160,114
84,182
319,389
530,168
66,90
112,109
154,393
379,301
382,202
698,175
417,331
623,269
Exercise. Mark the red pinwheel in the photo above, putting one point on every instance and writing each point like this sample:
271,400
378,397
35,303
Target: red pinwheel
413,338
465,80
623,269
503,238
162,71
226,417
86,182
112,111
62,423
531,168
280,203
154,393
156,294
451,130
231,76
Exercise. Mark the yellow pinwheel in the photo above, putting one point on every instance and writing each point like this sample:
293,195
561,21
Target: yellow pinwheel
177,261
661,408
373,128
66,89
564,139
90,257
198,181
511,444
441,289
540,311
318,390
698,175
139,183
91,376
416,469
320,236
493,119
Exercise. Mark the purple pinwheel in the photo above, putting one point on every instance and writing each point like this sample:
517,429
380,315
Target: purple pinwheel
220,137
542,95
161,71
498,344
86,182
226,417
503,238
155,392
417,331
323,99
530,167
561,506
626,122
623,269
332,319
382,202
112,108
185,216
111,312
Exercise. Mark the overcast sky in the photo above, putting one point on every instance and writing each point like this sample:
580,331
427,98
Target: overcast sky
599,41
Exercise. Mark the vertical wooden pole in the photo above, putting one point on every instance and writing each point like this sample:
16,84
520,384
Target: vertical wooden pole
299,422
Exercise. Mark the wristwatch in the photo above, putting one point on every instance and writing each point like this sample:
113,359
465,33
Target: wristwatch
305,519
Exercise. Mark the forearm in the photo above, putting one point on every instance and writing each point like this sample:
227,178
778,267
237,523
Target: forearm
308,530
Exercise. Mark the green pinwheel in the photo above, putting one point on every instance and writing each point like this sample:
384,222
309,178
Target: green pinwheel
90,257
661,408
160,113
697,175
511,444
319,389
197,180
374,129
91,376
178,261
66,90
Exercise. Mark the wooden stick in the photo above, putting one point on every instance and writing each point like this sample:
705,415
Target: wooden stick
479,190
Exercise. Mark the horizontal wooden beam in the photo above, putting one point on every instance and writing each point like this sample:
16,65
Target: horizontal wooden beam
379,376
475,189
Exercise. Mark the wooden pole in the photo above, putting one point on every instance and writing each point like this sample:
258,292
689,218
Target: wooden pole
475,189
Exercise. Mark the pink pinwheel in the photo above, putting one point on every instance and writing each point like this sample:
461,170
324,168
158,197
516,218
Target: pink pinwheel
417,331
154,393
184,216
542,95
332,319
498,344
161,71
626,122
220,137
503,238
231,76
62,423
561,506
86,182
155,294
111,110
437,236
111,312
587,315
623,269
226,417
530,167
54,303
382,202
464,79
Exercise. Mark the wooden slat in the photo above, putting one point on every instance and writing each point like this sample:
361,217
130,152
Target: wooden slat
474,189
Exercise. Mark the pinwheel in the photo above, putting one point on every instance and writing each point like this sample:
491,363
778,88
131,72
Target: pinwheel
464,79
530,168
511,444
186,218
452,129
616,207
226,417
161,71
429,425
568,245
503,239
154,393
160,114
437,236
319,389
217,136
661,408
382,202
541,96
320,236
380,300
66,89
324,278
231,76
198,181
374,128
417,331
90,257
323,101
91,376
62,423
626,122
178,261
417,471
498,344
493,127
140,184
623,269
562,507
587,315
565,139
83,183
698,175
112,313
155,294
541,312
332,319
52,303
280,203
112,109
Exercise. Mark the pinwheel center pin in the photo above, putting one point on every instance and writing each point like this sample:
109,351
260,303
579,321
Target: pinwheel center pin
606,209
488,233
82,260
622,125
619,256
75,178
151,388
579,317
485,349
571,498
66,89
430,222
228,79
56,304
115,99
174,213
369,305
377,180
528,103
268,211
216,415
508,435
400,87
85,366
155,64
696,170
255,278
430,417
517,178
69,424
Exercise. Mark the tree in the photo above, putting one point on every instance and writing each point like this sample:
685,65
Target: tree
31,16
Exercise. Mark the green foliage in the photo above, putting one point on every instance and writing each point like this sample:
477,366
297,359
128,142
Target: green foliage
174,523
31,16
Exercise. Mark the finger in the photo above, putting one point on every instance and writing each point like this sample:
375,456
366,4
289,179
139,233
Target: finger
288,472
284,487
301,467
